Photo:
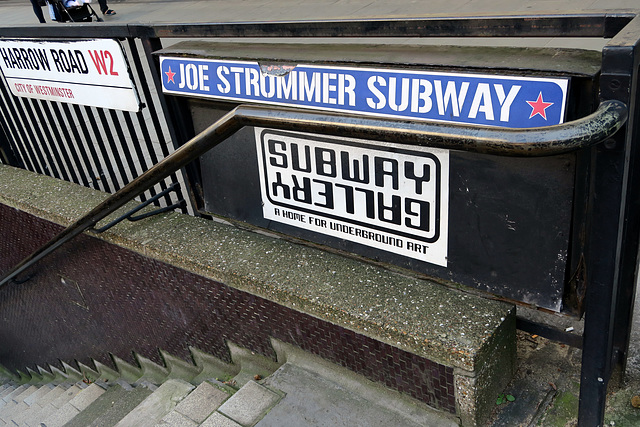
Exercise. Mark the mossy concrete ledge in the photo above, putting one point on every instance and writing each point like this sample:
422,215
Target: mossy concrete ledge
473,336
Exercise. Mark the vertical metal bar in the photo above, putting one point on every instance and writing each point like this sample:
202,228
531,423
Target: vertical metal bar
121,177
7,147
138,149
96,139
174,112
607,257
47,141
140,116
16,130
37,161
82,177
631,220
7,156
142,122
94,155
75,142
42,138
55,142
26,115
124,146
630,237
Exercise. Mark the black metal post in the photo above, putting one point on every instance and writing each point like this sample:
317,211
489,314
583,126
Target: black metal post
610,254
631,233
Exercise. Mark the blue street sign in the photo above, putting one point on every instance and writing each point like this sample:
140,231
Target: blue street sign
507,101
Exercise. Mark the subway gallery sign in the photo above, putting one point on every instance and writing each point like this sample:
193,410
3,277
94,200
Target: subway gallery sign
391,198
386,196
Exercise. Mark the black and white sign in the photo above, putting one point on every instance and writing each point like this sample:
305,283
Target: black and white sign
376,194
83,72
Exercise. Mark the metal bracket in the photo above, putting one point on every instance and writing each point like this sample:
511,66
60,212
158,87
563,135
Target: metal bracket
129,215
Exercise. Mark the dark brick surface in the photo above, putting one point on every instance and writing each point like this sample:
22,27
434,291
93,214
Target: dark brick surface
91,298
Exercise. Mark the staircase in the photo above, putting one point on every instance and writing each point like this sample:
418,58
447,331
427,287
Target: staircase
209,393
251,391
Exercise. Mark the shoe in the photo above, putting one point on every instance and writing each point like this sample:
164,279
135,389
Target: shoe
109,12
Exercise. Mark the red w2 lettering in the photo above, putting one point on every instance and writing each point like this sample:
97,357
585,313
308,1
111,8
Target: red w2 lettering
103,59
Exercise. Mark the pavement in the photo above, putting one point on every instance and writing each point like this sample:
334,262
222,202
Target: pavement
546,385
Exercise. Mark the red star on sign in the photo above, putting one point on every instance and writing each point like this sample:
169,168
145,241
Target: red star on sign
539,107
170,76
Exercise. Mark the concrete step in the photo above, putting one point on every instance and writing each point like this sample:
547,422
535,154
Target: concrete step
157,405
6,389
37,407
43,395
48,405
250,404
74,406
16,405
39,394
9,396
106,411
197,406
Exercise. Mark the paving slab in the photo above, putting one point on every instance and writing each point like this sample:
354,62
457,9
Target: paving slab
15,392
52,395
66,396
26,393
16,404
157,405
324,399
9,413
61,416
74,406
41,392
218,420
113,405
250,404
86,397
6,389
201,402
176,419
47,411
37,410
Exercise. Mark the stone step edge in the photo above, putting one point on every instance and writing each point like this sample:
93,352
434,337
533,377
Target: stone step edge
245,365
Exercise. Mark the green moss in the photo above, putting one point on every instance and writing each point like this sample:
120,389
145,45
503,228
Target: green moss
619,409
564,411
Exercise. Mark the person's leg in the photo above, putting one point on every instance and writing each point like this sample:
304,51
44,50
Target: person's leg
104,8
37,9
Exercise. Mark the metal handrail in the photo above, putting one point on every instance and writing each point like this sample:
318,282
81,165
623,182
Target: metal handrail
545,141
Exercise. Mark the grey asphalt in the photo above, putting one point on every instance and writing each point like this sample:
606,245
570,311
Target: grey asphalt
268,10
180,11
540,357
